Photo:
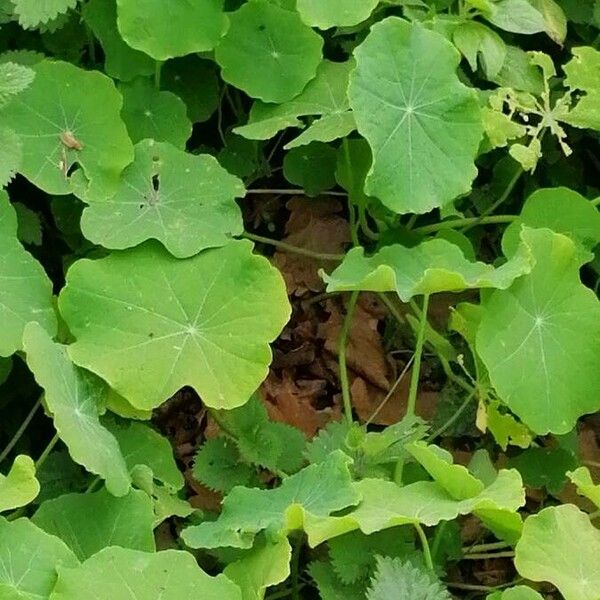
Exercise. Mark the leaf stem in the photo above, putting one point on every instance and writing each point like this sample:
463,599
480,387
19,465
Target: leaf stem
295,568
46,453
158,65
291,192
467,221
18,434
453,418
425,547
343,343
416,371
478,548
489,556
594,515
292,249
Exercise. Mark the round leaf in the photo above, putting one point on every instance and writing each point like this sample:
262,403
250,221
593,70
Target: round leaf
268,52
325,14
150,324
185,201
20,486
311,167
423,125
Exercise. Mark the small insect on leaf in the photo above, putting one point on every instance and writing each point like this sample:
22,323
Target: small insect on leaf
70,141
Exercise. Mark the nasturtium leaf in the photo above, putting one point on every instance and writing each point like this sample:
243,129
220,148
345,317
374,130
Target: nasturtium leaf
150,324
582,74
268,52
29,228
516,16
120,60
325,96
59,474
20,486
73,397
11,155
29,558
152,114
125,574
32,13
423,125
70,117
544,467
178,28
585,485
433,266
529,338
317,490
26,292
311,167
6,365
325,14
476,41
185,201
520,592
89,522
560,545
14,78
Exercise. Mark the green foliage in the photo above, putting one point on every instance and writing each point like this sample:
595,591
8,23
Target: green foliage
20,486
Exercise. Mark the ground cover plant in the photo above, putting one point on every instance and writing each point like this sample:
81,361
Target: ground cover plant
299,299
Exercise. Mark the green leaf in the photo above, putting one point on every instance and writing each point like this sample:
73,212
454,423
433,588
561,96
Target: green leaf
26,290
59,475
544,467
184,27
475,40
582,479
325,96
317,490
120,60
516,16
74,397
28,560
70,117
11,155
89,522
325,14
560,545
29,229
404,581
330,587
123,574
423,125
520,592
151,114
211,330
519,73
433,266
268,52
32,13
582,74
554,19
6,365
14,79
20,486
529,339
185,201
332,437
311,167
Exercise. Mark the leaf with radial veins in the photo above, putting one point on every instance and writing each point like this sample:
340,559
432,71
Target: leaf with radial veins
178,27
560,545
423,125
325,14
124,574
432,266
28,560
185,201
25,290
150,324
268,52
69,117
74,397
19,487
530,342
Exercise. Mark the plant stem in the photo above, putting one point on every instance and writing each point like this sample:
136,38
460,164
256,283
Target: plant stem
344,383
425,547
353,224
364,224
416,371
292,249
158,65
288,192
44,455
93,485
392,390
478,548
458,223
391,307
591,463
295,568
453,418
596,202
15,439
486,556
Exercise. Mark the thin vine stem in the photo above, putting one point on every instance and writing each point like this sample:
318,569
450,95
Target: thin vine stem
19,433
293,192
292,249
479,548
46,453
158,65
343,343
467,221
416,371
295,569
488,556
425,547
453,418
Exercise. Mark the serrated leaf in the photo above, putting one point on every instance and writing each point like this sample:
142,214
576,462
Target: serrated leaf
423,125
26,290
539,364
268,52
69,117
404,581
11,155
330,587
22,578
210,331
432,266
199,24
14,79
560,545
32,13
125,521
20,486
167,575
74,397
582,73
185,201
330,438
582,480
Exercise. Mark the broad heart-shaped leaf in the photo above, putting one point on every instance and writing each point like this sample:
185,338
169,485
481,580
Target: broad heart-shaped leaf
185,201
317,490
32,13
530,339
268,52
582,74
560,545
324,96
124,574
585,485
25,290
433,266
325,14
150,324
28,560
73,397
120,60
178,28
19,487
89,522
423,125
69,117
